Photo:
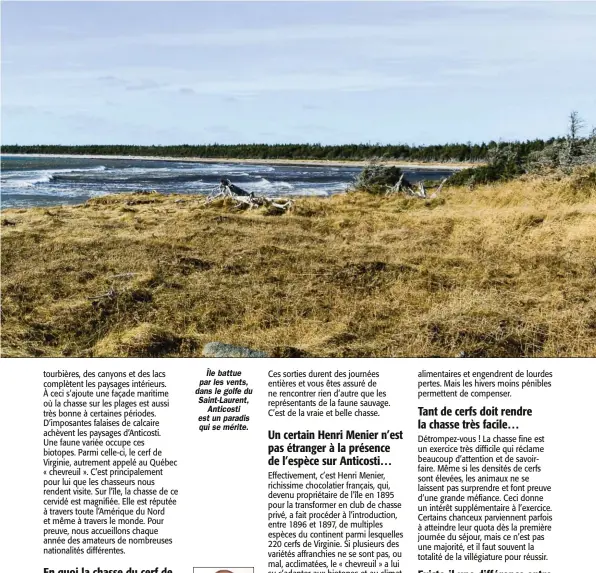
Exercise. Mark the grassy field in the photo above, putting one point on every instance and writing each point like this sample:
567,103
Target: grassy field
503,270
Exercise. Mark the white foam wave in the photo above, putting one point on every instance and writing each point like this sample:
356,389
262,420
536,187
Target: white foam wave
321,190
33,186
265,185
14,183
28,179
230,169
262,183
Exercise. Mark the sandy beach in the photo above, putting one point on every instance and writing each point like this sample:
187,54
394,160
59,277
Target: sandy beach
306,162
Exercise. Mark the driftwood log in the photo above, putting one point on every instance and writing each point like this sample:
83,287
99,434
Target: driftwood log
397,187
420,192
439,189
244,199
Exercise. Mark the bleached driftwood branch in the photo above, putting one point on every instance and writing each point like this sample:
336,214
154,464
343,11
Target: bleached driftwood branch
227,189
244,199
397,187
253,202
439,189
421,190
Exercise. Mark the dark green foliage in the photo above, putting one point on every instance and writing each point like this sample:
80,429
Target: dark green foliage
376,179
568,153
508,161
354,152
376,174
484,174
463,177
504,163
431,183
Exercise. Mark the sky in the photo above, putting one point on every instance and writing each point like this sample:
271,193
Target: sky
316,72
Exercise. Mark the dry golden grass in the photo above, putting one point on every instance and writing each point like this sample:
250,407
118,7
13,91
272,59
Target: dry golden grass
505,270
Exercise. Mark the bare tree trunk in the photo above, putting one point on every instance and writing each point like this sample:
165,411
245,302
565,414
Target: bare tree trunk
439,189
397,187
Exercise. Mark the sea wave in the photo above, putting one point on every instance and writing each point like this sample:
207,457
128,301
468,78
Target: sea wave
57,181
27,179
266,185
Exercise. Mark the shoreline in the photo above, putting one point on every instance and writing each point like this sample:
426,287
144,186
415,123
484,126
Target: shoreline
356,275
291,162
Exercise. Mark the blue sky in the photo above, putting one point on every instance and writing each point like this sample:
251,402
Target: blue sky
228,72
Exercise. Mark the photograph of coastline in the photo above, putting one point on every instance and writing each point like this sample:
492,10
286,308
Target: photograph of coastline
298,179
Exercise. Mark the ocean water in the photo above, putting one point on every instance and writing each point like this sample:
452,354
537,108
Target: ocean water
45,181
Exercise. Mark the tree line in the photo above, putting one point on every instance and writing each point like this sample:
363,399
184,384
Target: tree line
456,152
560,155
